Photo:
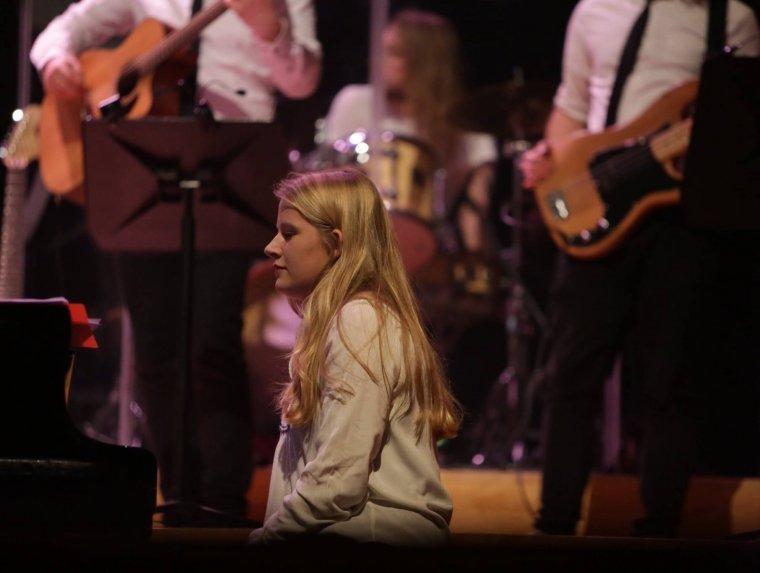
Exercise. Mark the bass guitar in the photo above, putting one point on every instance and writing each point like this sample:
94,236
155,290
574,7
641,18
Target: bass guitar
605,183
18,150
132,75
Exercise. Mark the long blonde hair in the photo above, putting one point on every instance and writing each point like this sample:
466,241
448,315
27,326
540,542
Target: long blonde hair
369,266
434,74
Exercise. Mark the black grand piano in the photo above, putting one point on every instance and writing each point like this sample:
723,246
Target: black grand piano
55,482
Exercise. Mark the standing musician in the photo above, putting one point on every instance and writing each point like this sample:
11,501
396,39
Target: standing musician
621,58
253,50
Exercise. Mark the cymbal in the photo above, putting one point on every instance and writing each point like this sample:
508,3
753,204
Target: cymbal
510,111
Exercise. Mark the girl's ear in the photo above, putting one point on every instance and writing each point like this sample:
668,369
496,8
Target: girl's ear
338,234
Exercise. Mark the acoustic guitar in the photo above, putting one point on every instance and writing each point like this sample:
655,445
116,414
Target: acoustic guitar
137,76
605,183
18,150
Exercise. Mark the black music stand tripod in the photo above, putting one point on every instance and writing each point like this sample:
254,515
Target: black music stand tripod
182,184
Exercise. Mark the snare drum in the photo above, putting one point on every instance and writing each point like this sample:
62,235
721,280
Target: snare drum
410,179
409,176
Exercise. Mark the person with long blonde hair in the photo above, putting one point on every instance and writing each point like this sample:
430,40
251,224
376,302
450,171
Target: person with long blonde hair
367,399
423,81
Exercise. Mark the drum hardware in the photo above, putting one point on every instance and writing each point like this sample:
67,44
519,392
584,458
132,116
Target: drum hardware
409,178
440,176
498,437
511,111
390,190
475,276
477,282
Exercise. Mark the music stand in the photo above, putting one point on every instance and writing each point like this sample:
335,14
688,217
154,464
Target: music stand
721,184
184,184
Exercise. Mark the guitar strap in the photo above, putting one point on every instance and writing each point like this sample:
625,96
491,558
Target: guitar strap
716,39
716,28
188,93
627,60
197,5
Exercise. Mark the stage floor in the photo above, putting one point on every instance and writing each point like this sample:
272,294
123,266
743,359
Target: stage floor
491,528
491,502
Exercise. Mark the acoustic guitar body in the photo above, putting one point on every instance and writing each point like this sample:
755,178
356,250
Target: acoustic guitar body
155,93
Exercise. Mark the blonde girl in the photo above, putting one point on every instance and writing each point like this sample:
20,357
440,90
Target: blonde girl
367,398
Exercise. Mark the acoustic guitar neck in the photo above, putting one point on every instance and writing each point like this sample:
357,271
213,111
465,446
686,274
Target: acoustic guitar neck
176,40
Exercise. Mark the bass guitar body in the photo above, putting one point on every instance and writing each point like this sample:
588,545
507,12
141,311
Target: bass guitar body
605,183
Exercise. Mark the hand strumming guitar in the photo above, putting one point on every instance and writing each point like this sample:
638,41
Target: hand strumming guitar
62,77
536,164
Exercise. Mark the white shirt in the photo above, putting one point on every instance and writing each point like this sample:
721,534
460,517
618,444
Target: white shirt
238,73
360,472
671,52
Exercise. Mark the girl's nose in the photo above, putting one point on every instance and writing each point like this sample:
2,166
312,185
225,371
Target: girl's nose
271,249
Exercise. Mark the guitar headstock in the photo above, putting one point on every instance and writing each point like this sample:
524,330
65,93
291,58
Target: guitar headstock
21,145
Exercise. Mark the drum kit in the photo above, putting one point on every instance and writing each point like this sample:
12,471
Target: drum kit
506,428
409,178
411,181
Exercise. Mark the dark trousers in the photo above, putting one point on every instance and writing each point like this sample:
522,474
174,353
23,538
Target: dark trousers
217,430
645,296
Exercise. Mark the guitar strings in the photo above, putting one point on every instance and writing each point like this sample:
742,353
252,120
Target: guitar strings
630,161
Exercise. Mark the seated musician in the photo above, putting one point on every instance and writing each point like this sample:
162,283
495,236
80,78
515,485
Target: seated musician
422,81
